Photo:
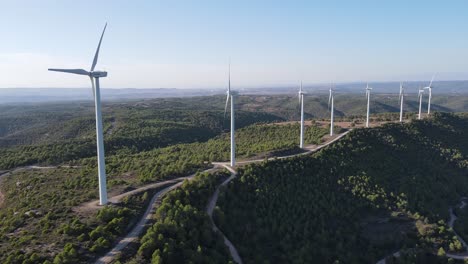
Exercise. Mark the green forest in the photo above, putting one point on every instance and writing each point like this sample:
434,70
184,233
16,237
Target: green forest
351,197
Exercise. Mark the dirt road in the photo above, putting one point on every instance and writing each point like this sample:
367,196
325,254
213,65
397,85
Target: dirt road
214,199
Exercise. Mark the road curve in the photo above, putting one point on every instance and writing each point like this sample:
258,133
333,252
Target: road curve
453,218
214,199
210,208
308,149
136,231
146,217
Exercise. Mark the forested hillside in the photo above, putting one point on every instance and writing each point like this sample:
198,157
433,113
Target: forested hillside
39,204
370,194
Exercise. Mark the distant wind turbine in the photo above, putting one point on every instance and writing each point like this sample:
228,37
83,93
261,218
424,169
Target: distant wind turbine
94,77
420,95
301,102
402,94
368,89
331,99
231,95
429,88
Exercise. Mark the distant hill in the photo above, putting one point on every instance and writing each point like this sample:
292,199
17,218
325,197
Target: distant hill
14,95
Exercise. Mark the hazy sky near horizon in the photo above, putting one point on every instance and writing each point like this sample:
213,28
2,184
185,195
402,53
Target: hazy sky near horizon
187,44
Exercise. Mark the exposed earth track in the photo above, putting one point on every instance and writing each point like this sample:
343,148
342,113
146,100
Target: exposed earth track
453,218
145,218
214,199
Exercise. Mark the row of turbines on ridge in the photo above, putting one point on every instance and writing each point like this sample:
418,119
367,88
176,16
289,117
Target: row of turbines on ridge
331,100
95,75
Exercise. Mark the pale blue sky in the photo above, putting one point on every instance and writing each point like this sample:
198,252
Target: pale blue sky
185,44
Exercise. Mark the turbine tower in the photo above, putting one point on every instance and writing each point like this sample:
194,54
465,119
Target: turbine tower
430,96
402,94
301,102
331,99
420,95
231,95
368,89
94,77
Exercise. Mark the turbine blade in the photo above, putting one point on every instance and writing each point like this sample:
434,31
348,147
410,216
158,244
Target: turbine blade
430,84
225,108
93,87
229,78
97,50
329,98
74,71
300,93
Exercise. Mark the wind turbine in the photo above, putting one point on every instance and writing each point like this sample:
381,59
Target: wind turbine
402,94
430,96
420,95
94,77
330,105
368,89
301,102
231,94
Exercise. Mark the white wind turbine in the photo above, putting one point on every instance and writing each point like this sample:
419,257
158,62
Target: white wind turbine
301,102
429,88
368,89
420,95
231,94
402,94
331,100
94,77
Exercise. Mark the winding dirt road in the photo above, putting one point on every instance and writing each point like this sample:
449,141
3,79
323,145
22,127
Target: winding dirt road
453,218
214,199
210,208
146,217
139,227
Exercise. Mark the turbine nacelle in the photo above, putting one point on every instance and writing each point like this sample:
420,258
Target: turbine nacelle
402,91
98,74
330,96
420,92
429,88
368,89
300,93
